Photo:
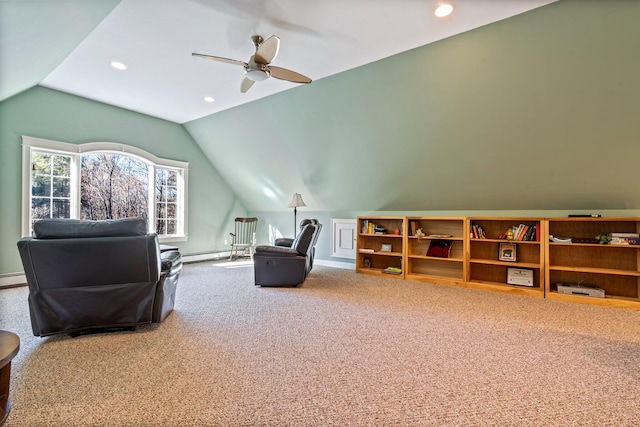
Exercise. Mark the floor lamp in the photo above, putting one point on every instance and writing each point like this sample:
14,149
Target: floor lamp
295,203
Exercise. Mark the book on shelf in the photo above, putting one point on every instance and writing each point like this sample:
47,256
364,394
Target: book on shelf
413,226
366,250
530,234
624,234
392,270
625,240
477,232
521,233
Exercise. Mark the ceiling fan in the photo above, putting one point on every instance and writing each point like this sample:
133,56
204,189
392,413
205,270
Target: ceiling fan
258,68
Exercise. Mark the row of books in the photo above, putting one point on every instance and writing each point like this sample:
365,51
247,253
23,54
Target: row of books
477,232
369,227
625,238
521,232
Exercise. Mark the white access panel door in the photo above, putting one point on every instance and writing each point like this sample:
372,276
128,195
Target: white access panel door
343,238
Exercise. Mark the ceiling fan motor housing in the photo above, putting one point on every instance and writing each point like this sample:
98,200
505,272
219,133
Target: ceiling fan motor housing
257,71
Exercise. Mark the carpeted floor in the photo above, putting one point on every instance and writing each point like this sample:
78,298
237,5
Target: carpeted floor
343,349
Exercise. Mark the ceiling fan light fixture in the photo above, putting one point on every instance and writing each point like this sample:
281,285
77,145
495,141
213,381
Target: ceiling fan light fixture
443,9
118,65
258,75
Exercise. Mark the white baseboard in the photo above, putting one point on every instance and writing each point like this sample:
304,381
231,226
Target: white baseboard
18,279
9,280
335,264
212,256
215,256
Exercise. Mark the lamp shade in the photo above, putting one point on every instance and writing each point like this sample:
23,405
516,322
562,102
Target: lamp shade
296,201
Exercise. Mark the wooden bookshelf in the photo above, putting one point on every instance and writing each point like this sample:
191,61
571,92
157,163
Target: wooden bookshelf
474,259
377,259
420,266
485,269
612,267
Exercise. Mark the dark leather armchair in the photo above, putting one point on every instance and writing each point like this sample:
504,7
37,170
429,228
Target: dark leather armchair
285,266
287,241
86,276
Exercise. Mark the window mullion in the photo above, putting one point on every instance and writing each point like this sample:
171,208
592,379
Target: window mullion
75,185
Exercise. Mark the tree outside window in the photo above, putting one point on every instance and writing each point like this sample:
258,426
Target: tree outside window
50,186
113,186
103,180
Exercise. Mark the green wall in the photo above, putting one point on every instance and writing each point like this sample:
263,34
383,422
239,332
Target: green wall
538,111
534,115
48,114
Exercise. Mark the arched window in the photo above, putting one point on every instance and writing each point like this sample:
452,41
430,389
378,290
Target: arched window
103,181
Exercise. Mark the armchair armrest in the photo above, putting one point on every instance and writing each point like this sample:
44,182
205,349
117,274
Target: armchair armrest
284,241
279,251
170,262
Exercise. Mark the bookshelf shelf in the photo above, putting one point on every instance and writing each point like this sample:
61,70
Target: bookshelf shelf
504,263
485,268
435,258
375,262
380,253
449,270
612,267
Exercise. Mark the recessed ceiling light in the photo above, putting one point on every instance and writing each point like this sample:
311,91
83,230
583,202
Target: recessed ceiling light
444,9
118,65
209,98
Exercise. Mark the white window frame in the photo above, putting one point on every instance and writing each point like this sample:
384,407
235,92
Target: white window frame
30,144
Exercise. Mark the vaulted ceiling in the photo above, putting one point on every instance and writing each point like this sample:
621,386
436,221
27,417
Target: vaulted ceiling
68,45
511,114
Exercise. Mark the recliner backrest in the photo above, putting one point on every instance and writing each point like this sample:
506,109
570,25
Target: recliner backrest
59,228
75,253
317,233
304,239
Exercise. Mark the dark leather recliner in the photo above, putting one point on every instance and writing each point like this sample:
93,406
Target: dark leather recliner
87,276
285,266
287,241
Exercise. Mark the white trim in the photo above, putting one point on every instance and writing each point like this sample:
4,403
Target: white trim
214,256
7,280
26,191
114,147
184,182
335,264
211,256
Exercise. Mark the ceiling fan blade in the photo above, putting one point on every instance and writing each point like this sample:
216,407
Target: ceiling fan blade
268,50
284,74
220,59
246,84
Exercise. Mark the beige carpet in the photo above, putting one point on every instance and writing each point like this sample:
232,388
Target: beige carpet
343,349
